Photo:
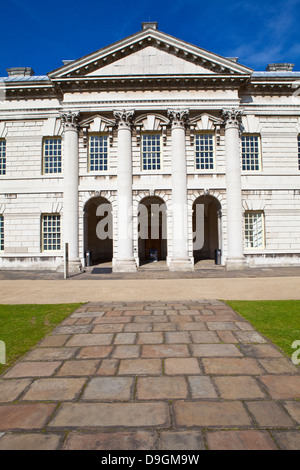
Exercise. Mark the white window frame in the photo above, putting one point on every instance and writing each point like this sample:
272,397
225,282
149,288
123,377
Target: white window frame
48,248
253,233
198,135
98,171
151,170
1,233
259,154
58,157
2,157
298,151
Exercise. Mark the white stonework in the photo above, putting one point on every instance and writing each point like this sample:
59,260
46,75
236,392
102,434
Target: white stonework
169,122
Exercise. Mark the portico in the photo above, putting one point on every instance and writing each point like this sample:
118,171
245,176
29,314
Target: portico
179,254
178,216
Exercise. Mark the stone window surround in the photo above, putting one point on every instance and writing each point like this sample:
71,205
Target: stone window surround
152,170
205,170
58,164
103,171
55,232
1,232
2,157
298,151
259,154
251,230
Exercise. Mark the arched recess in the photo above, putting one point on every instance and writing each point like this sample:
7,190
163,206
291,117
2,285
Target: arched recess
152,229
207,237
98,229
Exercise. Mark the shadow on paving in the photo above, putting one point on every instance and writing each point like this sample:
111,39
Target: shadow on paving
105,273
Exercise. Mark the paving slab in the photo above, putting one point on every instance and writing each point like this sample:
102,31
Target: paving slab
185,375
134,440
240,440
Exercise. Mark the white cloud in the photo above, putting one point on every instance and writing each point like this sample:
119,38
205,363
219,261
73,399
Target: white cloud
270,41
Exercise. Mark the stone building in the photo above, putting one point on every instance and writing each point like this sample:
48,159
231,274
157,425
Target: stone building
150,121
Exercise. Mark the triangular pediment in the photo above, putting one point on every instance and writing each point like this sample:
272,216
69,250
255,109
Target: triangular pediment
149,61
148,53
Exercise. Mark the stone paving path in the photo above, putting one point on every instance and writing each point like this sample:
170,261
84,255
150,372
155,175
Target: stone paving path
153,376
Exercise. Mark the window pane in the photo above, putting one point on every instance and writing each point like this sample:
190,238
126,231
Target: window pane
98,153
151,152
1,232
51,232
2,157
204,151
250,153
254,230
52,155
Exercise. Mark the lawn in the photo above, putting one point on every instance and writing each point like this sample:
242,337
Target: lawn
277,320
22,326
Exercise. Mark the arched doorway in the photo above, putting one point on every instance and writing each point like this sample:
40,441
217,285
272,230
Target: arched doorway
207,210
152,230
98,238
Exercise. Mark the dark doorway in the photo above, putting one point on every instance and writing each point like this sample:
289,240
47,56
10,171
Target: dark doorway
98,230
211,210
152,230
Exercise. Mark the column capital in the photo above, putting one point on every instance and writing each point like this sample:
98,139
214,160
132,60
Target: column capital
124,118
178,117
232,117
70,120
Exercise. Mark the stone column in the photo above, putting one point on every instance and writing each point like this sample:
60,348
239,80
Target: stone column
235,258
71,180
125,261
180,260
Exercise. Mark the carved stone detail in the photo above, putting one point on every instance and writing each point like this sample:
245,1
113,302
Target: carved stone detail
178,117
70,120
124,118
232,117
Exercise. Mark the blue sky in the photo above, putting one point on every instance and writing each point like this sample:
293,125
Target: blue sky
41,34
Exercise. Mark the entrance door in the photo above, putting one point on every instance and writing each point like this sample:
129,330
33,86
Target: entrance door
211,227
152,230
98,230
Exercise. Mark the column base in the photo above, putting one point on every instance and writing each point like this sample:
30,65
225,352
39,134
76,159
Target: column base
124,266
233,264
181,264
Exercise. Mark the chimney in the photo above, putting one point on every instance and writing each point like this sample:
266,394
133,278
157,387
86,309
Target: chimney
20,72
285,67
149,24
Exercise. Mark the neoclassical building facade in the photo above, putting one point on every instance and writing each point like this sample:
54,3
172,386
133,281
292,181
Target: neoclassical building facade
150,123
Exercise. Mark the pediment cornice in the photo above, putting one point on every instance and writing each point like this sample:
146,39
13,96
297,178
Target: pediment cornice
86,65
153,82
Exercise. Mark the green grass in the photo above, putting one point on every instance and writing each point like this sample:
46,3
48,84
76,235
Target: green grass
22,326
277,320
